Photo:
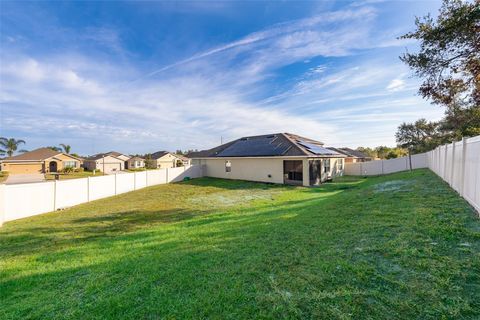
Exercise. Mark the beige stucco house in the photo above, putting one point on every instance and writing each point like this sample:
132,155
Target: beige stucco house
118,155
277,158
135,163
165,159
42,160
105,163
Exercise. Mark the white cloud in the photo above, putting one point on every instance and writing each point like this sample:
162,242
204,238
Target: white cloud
191,103
396,85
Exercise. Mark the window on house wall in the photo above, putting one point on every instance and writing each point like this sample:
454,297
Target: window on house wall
326,165
228,166
69,164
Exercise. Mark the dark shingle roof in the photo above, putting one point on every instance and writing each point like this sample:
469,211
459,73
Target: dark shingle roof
351,152
158,154
271,145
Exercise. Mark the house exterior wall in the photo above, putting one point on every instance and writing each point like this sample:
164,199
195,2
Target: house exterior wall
22,167
259,169
244,169
60,160
108,164
28,167
135,164
165,162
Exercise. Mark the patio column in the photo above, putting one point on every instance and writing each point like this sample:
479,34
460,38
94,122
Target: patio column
306,173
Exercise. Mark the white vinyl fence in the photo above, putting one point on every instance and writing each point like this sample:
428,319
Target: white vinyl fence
378,167
457,163
25,200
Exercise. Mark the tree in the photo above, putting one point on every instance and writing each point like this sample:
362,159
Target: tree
66,148
10,145
382,151
54,148
368,152
417,137
449,65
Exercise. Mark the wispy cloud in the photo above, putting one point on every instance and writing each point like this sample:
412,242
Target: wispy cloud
221,91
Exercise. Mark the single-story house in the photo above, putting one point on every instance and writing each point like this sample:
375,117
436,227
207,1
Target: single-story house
42,160
105,163
118,155
277,158
135,163
352,155
165,159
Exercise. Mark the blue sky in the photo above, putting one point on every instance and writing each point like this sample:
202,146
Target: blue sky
139,77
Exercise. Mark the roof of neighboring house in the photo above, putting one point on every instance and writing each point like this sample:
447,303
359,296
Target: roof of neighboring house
136,159
351,152
182,157
158,154
115,154
100,156
37,155
270,145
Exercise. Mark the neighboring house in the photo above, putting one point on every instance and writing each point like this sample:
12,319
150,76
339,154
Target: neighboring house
105,163
352,155
42,160
135,163
118,155
165,159
277,158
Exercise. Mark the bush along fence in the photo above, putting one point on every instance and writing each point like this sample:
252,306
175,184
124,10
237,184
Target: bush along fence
25,200
457,163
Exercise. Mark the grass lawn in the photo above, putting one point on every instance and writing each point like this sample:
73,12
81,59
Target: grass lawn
73,175
402,246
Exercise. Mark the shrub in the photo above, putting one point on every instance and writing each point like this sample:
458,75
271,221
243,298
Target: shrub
68,170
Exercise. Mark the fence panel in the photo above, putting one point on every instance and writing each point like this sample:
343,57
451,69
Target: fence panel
155,177
71,192
101,187
125,183
25,200
471,183
140,179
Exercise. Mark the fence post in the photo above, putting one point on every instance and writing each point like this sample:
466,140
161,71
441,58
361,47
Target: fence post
166,175
134,181
452,167
445,163
54,195
146,178
88,189
463,164
382,168
115,183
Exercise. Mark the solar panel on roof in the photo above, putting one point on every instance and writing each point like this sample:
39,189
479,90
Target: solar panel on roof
317,149
256,146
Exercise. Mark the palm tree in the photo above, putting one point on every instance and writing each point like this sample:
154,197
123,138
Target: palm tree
54,148
10,145
66,148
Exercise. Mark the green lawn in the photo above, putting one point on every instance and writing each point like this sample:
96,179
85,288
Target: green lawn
402,246
73,175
